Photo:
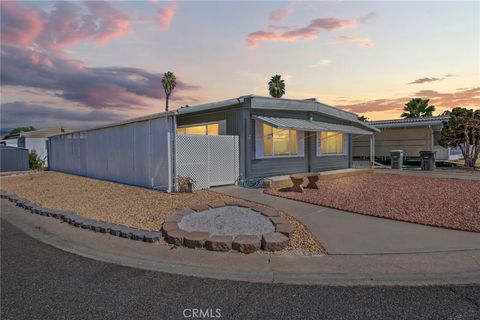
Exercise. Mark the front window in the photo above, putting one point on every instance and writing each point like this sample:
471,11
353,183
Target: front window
278,142
211,129
331,142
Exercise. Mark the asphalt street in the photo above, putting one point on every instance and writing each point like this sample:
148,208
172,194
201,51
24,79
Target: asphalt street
41,282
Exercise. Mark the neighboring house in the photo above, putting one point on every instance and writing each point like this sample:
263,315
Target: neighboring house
34,140
247,136
13,159
409,135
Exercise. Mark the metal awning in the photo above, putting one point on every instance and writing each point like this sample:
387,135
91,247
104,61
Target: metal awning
309,125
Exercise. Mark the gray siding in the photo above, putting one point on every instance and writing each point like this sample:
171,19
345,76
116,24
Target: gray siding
239,122
134,153
288,165
13,159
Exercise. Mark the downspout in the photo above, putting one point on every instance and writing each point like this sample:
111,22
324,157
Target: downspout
432,137
309,145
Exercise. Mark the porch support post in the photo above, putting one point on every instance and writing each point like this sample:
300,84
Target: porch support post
372,149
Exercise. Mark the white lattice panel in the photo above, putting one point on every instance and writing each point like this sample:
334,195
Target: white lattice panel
210,160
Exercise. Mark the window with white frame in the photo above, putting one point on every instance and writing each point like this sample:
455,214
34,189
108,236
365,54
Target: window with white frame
331,143
211,129
276,142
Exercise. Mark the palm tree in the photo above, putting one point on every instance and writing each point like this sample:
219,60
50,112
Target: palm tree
362,118
417,108
276,86
169,82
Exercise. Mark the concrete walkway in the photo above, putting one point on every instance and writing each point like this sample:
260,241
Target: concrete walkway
342,232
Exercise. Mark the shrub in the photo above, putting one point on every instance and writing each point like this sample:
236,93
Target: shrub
35,162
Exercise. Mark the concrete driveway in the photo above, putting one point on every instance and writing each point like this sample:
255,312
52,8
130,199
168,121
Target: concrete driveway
342,232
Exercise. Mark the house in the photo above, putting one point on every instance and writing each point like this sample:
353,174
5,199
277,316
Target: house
34,140
13,159
409,135
214,143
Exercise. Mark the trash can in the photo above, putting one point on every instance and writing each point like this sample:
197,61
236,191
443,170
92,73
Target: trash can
396,159
428,159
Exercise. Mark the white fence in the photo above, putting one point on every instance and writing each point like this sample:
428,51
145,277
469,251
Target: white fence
209,160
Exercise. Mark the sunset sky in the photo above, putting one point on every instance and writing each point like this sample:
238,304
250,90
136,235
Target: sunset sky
83,64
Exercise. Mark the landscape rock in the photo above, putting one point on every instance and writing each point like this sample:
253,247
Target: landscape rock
278,220
176,237
174,218
184,211
274,241
216,204
238,203
219,243
195,239
200,207
169,226
284,228
152,236
246,243
269,212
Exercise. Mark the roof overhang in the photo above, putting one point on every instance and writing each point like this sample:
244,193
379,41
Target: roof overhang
405,123
309,125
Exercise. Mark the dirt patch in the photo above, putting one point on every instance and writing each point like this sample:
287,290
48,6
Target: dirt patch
448,203
127,205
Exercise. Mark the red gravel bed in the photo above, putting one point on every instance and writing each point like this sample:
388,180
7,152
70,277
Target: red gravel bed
448,203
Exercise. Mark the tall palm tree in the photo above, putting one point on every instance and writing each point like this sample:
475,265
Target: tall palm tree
276,86
169,82
417,108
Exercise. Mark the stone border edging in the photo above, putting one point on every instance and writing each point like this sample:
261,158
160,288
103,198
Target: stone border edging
274,241
85,223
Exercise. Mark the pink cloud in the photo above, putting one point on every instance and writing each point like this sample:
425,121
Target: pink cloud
310,32
20,24
70,23
364,42
281,13
72,80
165,16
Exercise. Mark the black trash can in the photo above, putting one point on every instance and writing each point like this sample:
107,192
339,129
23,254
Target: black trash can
428,160
396,159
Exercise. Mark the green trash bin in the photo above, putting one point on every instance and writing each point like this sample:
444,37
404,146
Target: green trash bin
396,159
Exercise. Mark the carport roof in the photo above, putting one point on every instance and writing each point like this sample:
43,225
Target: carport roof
309,125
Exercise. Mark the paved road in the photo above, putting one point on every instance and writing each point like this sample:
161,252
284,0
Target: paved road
42,282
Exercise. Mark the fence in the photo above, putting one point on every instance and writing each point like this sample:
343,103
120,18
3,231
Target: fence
209,160
13,159
136,153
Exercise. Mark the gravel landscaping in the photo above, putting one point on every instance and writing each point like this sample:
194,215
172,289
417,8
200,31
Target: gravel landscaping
128,205
227,221
448,203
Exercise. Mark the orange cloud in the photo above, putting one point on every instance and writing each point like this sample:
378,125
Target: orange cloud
463,98
309,32
165,16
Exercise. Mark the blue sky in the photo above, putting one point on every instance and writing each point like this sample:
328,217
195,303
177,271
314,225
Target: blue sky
365,57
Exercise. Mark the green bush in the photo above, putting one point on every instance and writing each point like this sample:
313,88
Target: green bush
35,162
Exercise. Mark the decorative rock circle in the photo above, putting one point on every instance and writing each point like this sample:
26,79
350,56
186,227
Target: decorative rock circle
223,226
